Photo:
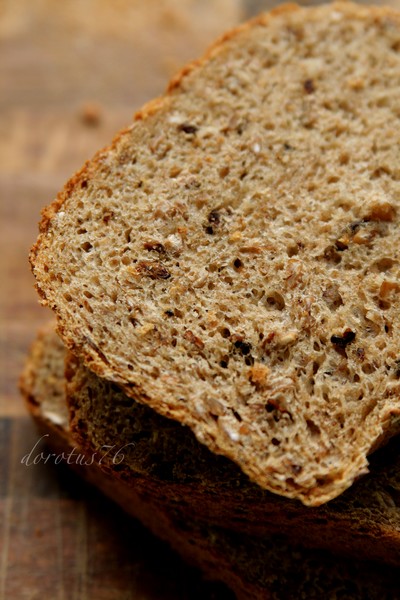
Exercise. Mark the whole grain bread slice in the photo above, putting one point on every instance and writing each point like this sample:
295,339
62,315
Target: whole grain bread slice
162,460
163,457
232,259
268,569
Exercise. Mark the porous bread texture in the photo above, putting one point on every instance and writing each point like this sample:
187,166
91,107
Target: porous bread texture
232,260
164,458
363,522
268,569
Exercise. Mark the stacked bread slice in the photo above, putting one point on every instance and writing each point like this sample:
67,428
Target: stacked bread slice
260,564
226,279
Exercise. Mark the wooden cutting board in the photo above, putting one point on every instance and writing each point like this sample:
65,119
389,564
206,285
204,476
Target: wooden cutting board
72,74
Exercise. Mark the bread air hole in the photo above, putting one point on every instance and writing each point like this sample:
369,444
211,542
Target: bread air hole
333,179
86,246
383,265
213,268
315,367
331,255
87,306
258,294
275,301
292,250
313,428
368,368
388,328
384,304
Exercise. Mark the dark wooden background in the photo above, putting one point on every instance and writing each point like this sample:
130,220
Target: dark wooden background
71,74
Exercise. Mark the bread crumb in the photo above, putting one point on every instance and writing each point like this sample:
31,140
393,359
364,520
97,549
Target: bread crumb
258,373
175,119
212,320
285,339
356,83
236,236
214,406
145,329
229,427
336,16
91,114
173,243
363,236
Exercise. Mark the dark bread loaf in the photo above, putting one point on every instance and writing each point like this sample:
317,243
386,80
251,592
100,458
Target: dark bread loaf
232,259
268,569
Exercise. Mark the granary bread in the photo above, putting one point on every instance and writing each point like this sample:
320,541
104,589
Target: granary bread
232,259
255,569
165,459
162,460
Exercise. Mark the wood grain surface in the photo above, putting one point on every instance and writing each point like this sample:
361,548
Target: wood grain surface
71,74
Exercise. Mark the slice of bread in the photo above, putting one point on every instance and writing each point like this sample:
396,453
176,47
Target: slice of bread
232,259
363,522
163,460
42,382
268,569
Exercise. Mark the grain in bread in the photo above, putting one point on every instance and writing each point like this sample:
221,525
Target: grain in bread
232,259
